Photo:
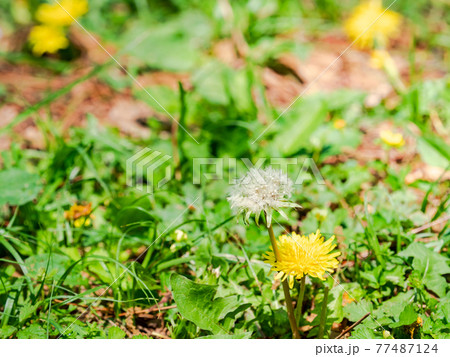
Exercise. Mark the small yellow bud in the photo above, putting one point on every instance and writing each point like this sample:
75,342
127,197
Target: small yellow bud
392,139
81,222
339,124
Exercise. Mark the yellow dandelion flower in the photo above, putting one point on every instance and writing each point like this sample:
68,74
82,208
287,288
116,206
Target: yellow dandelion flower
82,222
339,124
47,39
80,215
368,25
301,255
392,139
62,13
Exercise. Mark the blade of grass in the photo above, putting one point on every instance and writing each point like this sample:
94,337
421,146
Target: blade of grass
50,308
19,261
11,300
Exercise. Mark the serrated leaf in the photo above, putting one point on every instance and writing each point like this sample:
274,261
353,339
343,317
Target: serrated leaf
26,311
431,265
196,303
407,317
354,311
32,332
115,333
361,332
394,307
7,331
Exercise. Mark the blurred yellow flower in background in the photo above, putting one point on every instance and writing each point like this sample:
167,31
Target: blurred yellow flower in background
81,222
80,215
339,124
50,36
58,14
47,39
301,255
392,139
369,26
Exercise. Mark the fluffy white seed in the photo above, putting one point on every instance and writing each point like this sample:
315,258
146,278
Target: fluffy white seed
262,190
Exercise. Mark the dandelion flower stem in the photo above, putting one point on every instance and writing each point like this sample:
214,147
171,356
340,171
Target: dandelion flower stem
287,295
290,310
273,241
301,295
323,313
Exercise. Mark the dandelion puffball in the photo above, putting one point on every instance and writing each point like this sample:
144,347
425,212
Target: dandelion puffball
262,190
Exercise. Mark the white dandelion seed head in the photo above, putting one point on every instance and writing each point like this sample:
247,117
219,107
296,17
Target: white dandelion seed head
262,190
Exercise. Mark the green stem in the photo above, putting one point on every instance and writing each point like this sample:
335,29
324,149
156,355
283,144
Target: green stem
287,295
323,313
301,295
290,310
